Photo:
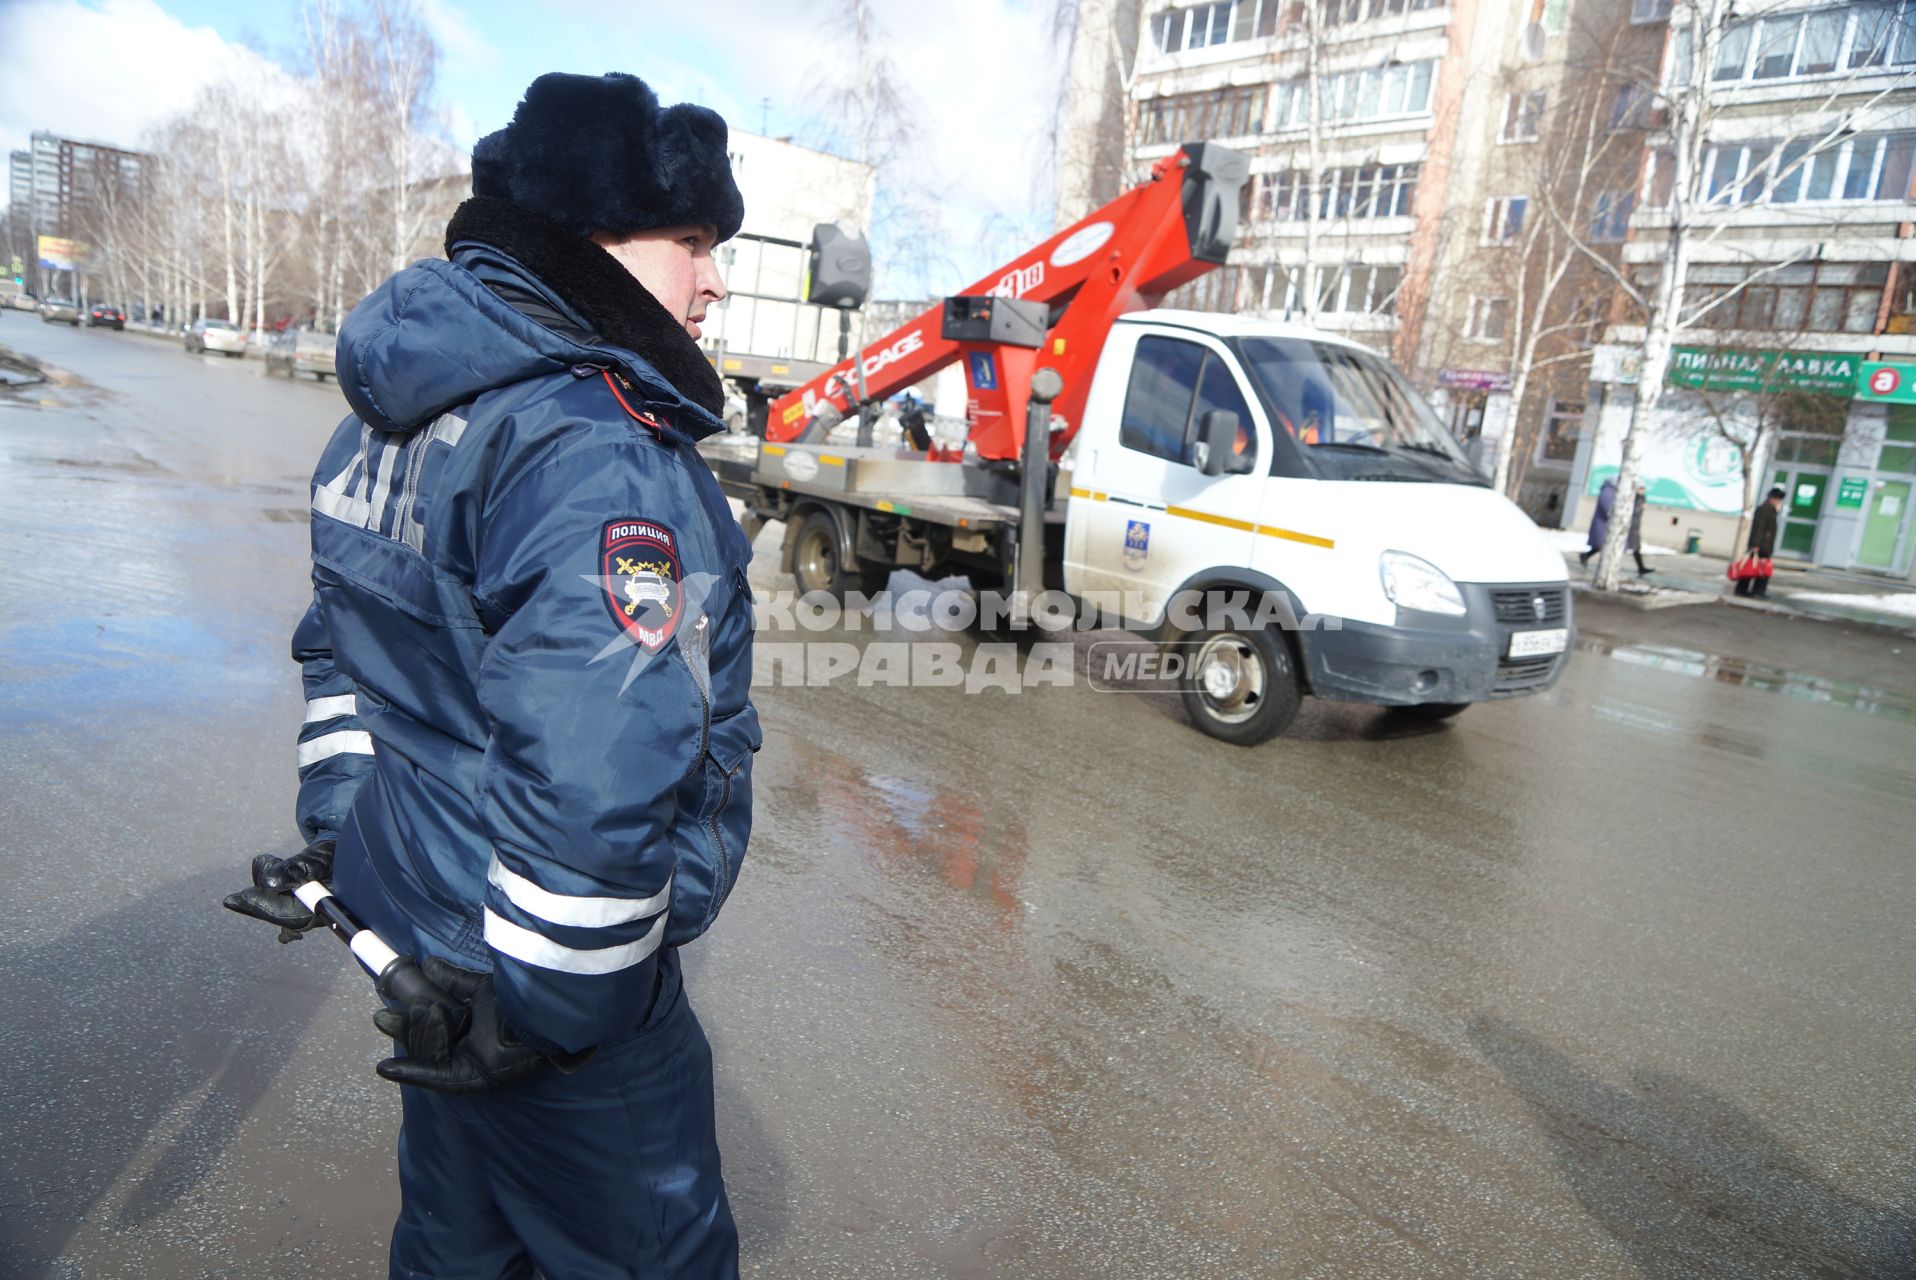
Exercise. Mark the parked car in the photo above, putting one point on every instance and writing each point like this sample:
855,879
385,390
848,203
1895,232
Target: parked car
101,316
297,351
60,311
216,335
23,302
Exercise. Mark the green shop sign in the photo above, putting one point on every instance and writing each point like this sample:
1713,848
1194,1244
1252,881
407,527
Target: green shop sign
1726,369
1851,492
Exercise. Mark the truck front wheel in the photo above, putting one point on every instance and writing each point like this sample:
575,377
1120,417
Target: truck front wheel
1239,686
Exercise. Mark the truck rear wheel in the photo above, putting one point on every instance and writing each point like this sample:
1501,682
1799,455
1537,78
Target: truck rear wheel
818,565
1239,686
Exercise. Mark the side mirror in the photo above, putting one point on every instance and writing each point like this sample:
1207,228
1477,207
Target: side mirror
1217,440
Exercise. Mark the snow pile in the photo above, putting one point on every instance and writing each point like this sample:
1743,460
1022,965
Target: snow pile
1570,541
1900,603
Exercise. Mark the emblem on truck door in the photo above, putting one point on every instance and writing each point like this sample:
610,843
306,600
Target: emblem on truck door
1137,543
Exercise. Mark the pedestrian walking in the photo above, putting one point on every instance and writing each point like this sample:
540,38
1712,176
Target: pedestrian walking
1600,520
1633,540
1762,545
528,743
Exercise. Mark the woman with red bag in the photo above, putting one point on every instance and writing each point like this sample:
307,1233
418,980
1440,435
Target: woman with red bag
1752,573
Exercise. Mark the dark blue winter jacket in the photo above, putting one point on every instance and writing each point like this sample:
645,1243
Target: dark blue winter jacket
527,660
1600,518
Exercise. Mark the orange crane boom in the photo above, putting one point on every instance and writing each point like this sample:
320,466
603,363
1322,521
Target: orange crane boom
1124,257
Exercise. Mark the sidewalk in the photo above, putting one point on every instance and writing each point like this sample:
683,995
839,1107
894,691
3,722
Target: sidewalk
1829,594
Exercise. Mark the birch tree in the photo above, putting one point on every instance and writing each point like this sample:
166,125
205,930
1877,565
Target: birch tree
404,60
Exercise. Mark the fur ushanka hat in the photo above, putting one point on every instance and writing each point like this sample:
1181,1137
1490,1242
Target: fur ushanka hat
598,153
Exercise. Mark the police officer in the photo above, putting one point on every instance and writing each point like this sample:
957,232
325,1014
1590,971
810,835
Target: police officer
527,748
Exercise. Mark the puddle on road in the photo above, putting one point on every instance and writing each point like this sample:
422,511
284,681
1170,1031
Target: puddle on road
1754,675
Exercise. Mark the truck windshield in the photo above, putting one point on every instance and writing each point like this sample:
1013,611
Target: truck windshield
1356,416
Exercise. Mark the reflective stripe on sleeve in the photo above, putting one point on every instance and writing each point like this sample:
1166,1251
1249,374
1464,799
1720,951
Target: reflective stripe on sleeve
573,909
318,709
524,945
327,745
342,507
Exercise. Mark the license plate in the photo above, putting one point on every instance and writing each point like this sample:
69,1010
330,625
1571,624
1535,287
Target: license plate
1535,644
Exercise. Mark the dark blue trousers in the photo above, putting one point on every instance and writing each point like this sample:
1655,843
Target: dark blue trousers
611,1173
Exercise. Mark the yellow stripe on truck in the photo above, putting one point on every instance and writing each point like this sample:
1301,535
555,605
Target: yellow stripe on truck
1228,522
1208,518
1308,539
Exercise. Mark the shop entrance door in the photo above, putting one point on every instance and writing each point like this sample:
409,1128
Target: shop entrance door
1467,415
1883,528
1803,492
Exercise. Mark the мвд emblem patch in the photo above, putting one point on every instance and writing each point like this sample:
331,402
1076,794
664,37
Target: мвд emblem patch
640,560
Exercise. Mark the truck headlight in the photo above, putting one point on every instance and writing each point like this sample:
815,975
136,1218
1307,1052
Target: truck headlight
1411,582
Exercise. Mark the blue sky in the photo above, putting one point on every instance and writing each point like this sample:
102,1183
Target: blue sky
980,67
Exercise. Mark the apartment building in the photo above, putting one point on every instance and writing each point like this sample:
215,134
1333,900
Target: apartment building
1800,289
56,188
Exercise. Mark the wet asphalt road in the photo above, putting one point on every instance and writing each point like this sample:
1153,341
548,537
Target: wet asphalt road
1615,981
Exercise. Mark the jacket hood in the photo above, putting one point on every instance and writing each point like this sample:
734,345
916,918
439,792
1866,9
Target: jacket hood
435,336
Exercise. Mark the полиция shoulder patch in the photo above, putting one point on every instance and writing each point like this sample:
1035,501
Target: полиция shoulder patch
639,561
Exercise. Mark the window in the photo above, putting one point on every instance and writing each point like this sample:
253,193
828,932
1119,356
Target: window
1337,13
1488,319
1649,10
1553,14
1353,191
1214,291
1822,37
1867,166
1173,384
1589,313
1776,46
1354,289
1610,220
1631,109
1659,178
1217,113
1523,116
1802,297
1157,404
1503,218
1880,33
1218,389
1562,424
1373,93
1872,34
1899,440
1205,25
1733,52
1358,289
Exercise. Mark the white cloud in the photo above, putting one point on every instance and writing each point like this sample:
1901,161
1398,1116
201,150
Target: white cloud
107,71
456,35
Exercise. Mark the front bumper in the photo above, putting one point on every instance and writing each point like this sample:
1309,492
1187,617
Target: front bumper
1430,658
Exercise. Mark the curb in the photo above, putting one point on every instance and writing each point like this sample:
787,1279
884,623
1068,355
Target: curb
1665,598
1646,601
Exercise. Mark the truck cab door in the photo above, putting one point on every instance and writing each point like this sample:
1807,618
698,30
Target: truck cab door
1145,518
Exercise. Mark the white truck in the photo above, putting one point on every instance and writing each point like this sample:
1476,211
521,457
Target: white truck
1278,505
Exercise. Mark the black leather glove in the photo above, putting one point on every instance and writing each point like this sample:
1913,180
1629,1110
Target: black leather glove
270,896
458,1043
